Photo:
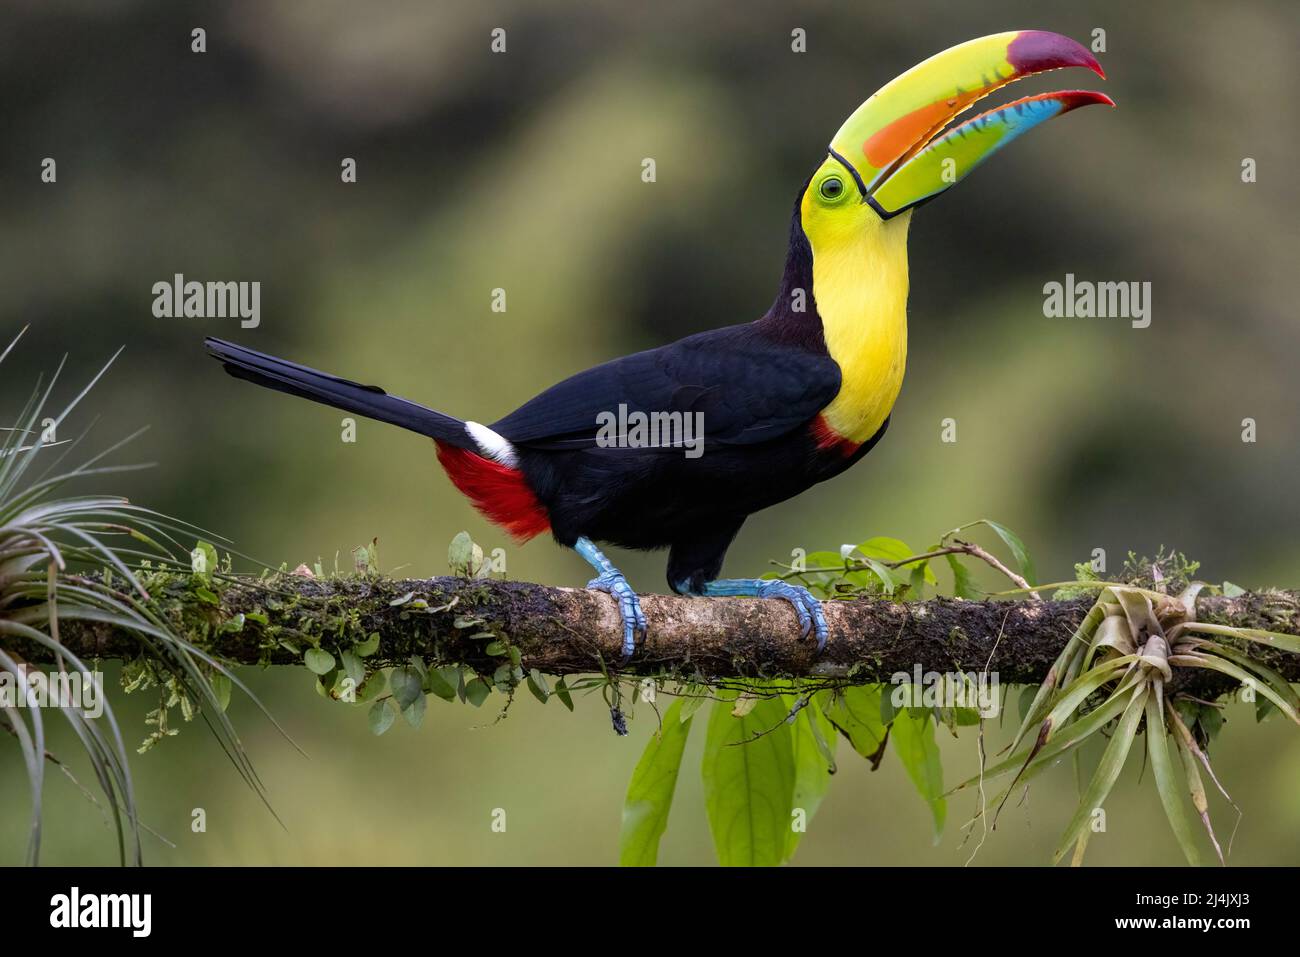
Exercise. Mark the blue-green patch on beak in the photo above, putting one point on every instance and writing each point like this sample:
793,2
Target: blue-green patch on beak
949,158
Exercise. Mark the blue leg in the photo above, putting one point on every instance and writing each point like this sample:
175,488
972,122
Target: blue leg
808,608
610,579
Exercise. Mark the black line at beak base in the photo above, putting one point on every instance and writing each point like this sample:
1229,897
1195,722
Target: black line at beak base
857,177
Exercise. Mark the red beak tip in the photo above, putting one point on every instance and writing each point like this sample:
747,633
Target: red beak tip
1073,99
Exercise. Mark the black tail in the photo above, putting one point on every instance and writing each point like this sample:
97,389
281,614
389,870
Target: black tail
368,400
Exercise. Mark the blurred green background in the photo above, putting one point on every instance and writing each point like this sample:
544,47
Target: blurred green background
522,171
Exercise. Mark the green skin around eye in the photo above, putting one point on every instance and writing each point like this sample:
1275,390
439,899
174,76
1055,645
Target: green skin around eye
832,188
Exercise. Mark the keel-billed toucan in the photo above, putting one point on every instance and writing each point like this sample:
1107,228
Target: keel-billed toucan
785,402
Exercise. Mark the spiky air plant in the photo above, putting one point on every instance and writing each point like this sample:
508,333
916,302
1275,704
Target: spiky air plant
67,557
1112,678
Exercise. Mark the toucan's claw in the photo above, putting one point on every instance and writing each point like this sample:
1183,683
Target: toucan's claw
614,582
629,608
811,617
812,620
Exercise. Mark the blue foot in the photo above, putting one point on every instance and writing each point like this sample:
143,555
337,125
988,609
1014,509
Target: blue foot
629,608
613,582
806,607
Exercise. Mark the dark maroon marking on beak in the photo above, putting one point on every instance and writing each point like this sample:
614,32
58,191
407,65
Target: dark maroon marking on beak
1037,50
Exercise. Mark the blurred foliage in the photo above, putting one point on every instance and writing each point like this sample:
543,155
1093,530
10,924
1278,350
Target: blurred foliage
521,171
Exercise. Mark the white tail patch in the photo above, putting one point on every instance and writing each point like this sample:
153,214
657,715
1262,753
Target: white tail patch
494,446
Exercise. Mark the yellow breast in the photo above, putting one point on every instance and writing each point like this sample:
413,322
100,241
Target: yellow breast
860,286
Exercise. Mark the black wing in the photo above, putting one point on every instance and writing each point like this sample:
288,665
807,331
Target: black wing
749,388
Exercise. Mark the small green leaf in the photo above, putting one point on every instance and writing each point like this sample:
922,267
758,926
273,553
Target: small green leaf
437,683
893,550
203,560
414,712
495,648
562,692
650,792
364,649
401,601
454,675
537,685
361,560
353,667
962,586
406,685
221,690
381,717
1013,542
375,685
318,661
460,554
916,580
477,690
1210,719
886,549
1232,591
888,580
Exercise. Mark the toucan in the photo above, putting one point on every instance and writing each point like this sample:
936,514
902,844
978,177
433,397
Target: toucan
782,403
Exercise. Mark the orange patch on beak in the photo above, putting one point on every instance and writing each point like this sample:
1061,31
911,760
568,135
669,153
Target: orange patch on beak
912,130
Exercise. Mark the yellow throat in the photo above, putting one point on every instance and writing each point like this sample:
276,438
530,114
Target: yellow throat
860,286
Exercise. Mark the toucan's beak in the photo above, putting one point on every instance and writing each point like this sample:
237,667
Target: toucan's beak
895,144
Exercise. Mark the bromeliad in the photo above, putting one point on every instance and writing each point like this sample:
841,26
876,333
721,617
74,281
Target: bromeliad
786,401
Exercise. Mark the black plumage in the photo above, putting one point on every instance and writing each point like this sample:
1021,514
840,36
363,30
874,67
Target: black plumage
759,388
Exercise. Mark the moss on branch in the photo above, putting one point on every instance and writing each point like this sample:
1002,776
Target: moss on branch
559,631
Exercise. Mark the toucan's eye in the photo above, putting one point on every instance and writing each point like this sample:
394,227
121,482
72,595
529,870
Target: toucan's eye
832,188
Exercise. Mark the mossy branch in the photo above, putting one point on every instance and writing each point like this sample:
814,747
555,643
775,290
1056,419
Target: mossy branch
562,631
